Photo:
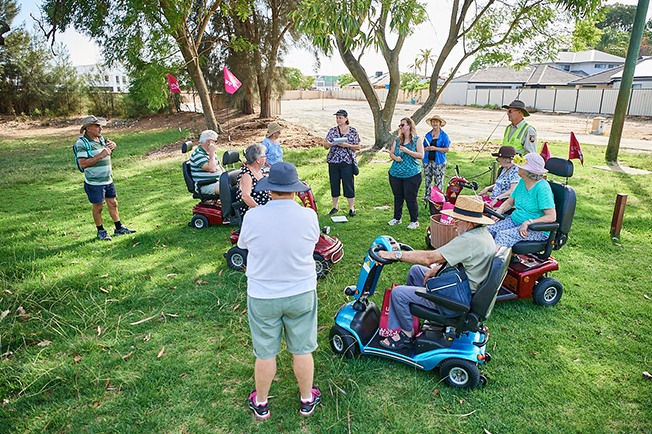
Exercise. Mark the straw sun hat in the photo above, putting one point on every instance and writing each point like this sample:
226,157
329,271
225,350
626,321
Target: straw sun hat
469,209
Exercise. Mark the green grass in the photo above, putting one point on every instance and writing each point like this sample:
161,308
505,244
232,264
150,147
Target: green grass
575,367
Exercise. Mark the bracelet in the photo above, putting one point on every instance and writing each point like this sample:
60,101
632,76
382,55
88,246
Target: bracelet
530,221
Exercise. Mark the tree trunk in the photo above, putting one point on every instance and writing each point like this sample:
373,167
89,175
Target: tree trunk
248,101
189,52
265,93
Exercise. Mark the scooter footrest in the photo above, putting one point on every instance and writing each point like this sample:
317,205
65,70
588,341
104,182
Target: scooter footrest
432,340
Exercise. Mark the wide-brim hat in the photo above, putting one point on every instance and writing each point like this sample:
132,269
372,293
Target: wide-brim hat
442,122
91,120
341,112
469,209
518,104
531,162
505,151
283,177
272,128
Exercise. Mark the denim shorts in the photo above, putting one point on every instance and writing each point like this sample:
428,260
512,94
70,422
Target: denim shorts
297,315
97,193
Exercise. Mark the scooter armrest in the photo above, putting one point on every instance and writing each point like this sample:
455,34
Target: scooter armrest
444,301
206,181
553,226
237,205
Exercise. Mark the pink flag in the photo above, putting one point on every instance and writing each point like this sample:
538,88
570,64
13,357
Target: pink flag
545,152
230,82
574,150
174,84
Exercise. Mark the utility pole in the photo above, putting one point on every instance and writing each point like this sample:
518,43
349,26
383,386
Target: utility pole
626,82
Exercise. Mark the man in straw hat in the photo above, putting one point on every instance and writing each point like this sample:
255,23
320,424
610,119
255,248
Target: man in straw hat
282,286
435,146
519,133
93,156
272,145
473,247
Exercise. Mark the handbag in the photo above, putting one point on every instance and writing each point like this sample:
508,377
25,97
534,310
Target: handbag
356,170
451,282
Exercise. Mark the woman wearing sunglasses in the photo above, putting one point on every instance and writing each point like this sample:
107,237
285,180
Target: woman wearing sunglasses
405,172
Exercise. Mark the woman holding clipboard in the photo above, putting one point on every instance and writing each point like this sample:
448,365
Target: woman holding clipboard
342,141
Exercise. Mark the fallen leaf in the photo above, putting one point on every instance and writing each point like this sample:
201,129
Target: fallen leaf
160,353
95,404
127,355
77,358
148,337
99,330
236,306
646,296
136,244
21,312
322,327
44,343
576,360
220,273
184,375
74,262
4,314
103,290
486,431
173,287
104,275
172,274
533,353
435,392
43,274
647,375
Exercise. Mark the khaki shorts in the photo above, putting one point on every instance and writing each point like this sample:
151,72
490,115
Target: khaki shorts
209,189
297,315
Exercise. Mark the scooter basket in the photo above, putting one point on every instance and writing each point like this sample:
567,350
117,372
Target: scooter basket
440,233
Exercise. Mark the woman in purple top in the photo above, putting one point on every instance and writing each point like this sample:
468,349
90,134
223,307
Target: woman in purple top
341,159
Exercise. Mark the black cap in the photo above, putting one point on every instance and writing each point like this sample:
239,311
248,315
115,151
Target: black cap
341,112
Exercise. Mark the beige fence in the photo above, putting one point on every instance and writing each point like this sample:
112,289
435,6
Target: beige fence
357,95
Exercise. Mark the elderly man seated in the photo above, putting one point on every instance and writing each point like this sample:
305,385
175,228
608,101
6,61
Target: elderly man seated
204,164
473,247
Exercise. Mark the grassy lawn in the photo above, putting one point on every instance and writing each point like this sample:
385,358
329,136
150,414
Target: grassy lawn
74,361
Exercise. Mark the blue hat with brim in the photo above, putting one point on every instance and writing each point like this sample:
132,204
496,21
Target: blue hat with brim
283,178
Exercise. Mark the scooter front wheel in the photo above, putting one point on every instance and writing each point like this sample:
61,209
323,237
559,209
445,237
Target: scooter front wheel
236,258
342,342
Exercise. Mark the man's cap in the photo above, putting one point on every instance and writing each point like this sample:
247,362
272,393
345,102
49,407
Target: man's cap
91,120
469,209
283,178
505,151
518,104
272,128
341,112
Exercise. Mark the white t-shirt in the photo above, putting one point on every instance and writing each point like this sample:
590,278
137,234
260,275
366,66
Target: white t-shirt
280,237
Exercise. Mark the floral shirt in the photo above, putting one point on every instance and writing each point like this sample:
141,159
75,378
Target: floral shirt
337,154
505,181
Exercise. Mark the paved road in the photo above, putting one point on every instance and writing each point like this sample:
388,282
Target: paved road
464,124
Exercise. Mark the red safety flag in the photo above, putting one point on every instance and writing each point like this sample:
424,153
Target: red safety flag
545,152
231,83
174,84
574,150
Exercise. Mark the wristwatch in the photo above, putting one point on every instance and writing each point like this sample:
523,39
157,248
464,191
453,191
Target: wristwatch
399,255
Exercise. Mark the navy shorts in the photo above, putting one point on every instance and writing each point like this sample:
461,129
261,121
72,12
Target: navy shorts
97,193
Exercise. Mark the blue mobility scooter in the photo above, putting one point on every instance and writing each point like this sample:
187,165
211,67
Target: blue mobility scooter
456,343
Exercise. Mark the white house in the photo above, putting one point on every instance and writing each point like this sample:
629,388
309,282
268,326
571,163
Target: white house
642,76
114,79
588,61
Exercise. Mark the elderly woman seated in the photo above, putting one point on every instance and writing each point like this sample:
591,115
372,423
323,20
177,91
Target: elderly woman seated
250,173
507,178
533,202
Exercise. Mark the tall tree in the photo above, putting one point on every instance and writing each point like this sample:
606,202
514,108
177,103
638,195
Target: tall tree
426,57
137,33
528,27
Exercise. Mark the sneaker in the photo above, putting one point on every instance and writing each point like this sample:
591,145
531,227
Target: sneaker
333,211
307,408
103,235
413,225
124,230
394,222
260,411
351,213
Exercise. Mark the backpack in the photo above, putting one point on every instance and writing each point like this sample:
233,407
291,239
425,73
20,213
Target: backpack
87,148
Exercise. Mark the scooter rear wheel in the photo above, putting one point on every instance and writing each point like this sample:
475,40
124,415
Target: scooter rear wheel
236,258
199,221
460,373
547,291
322,265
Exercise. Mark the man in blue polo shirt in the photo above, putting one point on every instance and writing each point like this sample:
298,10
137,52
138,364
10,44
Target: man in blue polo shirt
93,154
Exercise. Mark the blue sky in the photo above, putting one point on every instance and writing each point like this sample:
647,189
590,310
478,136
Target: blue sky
83,51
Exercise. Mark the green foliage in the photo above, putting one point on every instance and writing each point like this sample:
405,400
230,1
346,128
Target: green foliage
308,82
575,367
413,82
294,77
345,79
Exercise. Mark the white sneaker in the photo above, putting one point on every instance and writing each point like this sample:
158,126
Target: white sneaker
413,225
394,222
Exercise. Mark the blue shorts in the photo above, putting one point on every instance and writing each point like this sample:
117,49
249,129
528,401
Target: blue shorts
97,193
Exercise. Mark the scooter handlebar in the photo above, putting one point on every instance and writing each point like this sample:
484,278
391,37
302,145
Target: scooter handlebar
491,212
373,253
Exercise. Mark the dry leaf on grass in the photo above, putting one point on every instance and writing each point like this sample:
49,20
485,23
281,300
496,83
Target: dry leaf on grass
99,330
146,319
104,275
104,290
647,375
160,353
646,296
436,391
77,358
127,355
172,274
44,343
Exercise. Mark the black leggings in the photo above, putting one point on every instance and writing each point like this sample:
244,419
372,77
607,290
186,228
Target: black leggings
344,172
406,189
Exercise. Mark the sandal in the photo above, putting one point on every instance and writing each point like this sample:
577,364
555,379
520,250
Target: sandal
404,342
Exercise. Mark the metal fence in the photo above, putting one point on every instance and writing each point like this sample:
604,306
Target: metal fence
598,101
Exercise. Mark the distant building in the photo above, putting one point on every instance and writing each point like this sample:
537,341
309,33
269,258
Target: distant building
587,62
326,82
114,79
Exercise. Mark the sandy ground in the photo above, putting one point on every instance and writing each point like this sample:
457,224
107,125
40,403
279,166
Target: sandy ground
305,124
466,125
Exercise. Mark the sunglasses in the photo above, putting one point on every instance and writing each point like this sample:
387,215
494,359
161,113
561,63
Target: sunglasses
402,125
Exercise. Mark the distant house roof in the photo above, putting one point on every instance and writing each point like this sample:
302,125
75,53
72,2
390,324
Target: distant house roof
586,56
643,70
541,75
